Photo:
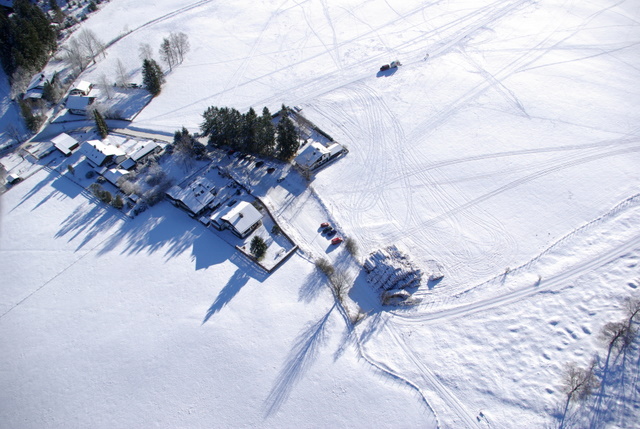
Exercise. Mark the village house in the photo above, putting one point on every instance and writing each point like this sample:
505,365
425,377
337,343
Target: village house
65,143
35,89
242,219
138,155
78,104
83,88
194,197
116,176
99,153
315,155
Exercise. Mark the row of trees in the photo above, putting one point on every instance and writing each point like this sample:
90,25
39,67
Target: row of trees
251,133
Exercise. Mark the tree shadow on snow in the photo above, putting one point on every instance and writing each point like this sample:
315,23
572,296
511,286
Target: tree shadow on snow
301,356
231,289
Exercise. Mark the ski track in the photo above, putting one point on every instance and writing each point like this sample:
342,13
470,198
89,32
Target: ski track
429,382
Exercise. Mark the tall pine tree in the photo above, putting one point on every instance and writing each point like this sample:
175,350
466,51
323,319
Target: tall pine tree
101,124
152,76
288,143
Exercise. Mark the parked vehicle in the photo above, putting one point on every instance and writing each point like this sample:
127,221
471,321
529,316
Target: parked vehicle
395,63
336,240
327,229
385,67
331,233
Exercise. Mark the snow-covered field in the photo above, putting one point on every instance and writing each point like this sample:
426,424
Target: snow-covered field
508,154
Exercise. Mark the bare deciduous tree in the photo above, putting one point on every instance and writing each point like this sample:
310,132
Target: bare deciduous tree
122,77
167,55
180,45
145,51
20,82
578,384
90,43
104,84
75,56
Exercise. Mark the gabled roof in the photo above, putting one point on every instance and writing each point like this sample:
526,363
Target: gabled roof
78,102
114,174
39,79
82,86
242,217
195,196
64,143
141,152
97,151
311,154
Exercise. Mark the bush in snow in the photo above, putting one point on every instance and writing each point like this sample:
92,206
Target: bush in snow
258,247
325,266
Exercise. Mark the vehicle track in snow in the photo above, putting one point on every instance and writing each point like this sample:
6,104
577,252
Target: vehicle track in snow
550,284
429,382
515,183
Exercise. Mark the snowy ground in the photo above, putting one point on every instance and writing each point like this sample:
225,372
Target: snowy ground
509,156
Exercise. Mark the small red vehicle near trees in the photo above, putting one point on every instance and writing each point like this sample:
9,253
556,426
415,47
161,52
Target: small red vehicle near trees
324,224
336,240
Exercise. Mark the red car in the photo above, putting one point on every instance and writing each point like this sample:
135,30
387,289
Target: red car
336,240
324,224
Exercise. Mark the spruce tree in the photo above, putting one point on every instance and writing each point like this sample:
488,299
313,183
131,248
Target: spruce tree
152,76
287,139
266,134
101,124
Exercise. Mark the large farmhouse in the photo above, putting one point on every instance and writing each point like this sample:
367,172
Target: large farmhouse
100,153
194,197
242,219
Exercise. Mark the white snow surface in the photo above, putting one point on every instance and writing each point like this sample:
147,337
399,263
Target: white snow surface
509,155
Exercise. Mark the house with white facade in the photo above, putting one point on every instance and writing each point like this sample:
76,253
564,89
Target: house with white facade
194,197
99,153
242,219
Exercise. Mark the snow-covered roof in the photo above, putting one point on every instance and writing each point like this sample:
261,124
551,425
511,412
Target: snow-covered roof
34,93
311,154
127,163
115,174
195,196
147,148
82,86
64,143
242,217
39,79
78,102
97,151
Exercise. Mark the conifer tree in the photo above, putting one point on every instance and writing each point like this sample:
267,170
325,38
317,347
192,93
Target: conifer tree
101,124
287,139
152,76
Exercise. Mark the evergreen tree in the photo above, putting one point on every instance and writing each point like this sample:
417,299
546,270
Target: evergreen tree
101,124
266,134
152,76
26,38
250,131
32,121
287,139
258,247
